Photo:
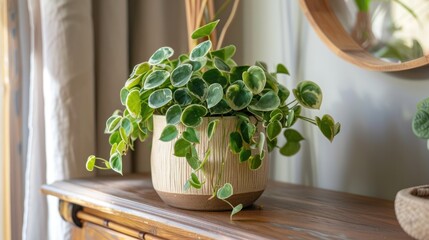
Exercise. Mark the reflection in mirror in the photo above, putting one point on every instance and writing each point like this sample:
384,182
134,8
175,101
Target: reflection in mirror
392,30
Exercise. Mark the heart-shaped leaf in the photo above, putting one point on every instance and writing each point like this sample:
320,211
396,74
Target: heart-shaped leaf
173,114
181,75
200,50
192,115
235,142
211,128
238,96
221,108
236,210
245,155
155,79
271,144
168,133
123,94
112,123
290,149
160,55
420,124
255,79
247,130
133,81
191,135
198,64
192,161
268,102
308,94
205,30
292,135
237,73
159,98
140,68
214,94
114,138
255,162
274,129
328,126
115,162
194,181
133,103
181,147
283,93
221,65
90,163
225,191
182,97
282,69
215,76
198,88
127,125
224,53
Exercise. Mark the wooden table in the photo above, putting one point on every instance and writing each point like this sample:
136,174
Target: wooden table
129,208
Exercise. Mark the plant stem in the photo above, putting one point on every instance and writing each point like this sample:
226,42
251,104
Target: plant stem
228,22
291,102
312,121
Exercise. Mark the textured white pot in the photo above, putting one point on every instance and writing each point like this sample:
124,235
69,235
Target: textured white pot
170,173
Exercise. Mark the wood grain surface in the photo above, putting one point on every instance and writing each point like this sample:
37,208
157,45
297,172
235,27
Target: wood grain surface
284,211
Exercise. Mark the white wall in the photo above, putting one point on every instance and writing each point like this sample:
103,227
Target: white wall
376,153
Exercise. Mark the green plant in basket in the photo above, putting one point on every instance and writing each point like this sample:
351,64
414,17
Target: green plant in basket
205,83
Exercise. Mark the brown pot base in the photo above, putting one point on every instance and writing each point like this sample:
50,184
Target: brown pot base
201,202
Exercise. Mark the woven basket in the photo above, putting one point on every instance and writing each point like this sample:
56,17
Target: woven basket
412,211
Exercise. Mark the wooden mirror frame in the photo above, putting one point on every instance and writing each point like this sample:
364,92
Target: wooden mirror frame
330,30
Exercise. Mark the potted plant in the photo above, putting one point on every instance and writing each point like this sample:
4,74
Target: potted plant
213,124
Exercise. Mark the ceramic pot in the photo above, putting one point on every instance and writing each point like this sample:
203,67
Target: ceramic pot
170,173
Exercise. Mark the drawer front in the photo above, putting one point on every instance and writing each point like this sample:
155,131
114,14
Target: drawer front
91,231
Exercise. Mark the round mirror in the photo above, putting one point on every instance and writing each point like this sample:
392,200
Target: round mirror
384,35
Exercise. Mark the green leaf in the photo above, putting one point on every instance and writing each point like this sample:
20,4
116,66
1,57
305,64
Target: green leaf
192,161
113,123
420,124
168,133
173,113
247,130
255,162
290,149
133,103
245,155
211,128
133,81
200,50
182,97
90,162
255,79
423,105
155,79
221,108
194,181
124,93
215,76
268,102
198,64
160,55
274,129
282,69
262,65
181,75
237,73
292,135
115,162
290,118
283,93
225,191
123,134
191,135
140,68
192,115
127,125
160,98
308,94
181,147
271,144
146,111
327,126
224,53
122,147
236,210
235,142
238,96
114,138
205,30
221,65
214,94
276,117
198,88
